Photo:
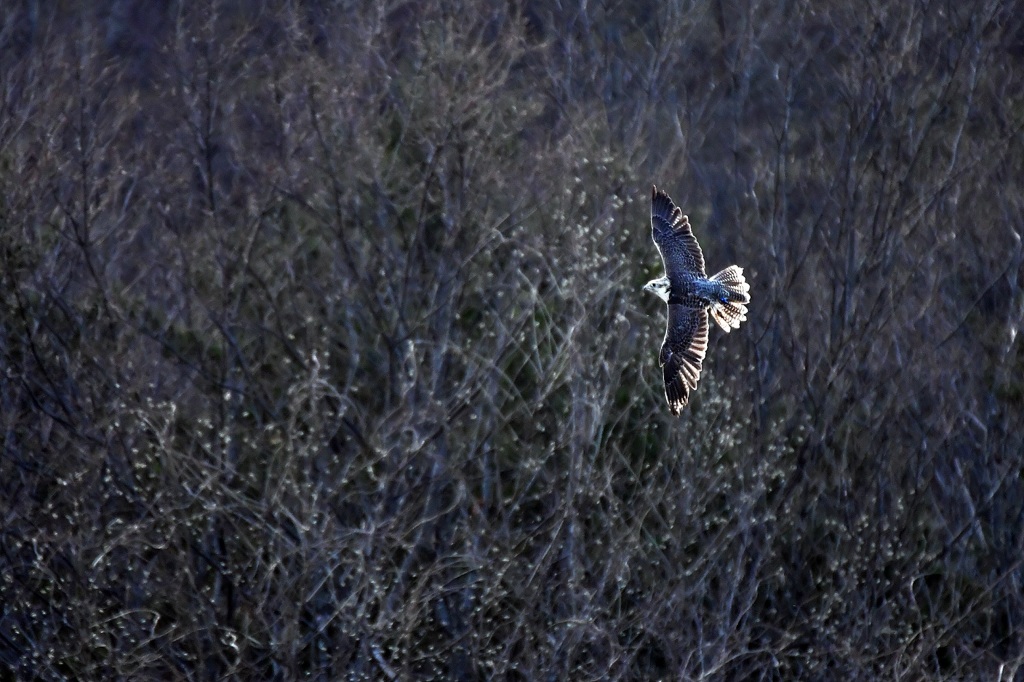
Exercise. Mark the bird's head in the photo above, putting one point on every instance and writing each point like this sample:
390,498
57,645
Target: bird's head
658,287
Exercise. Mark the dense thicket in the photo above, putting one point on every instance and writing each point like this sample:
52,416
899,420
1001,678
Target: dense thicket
324,350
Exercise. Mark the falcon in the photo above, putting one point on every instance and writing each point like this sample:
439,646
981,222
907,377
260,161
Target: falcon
690,296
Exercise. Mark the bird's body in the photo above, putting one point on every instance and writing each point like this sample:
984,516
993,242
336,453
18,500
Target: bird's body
691,296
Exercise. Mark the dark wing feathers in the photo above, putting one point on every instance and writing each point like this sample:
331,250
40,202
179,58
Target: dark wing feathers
682,353
672,234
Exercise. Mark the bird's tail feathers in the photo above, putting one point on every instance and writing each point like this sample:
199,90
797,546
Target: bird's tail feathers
731,309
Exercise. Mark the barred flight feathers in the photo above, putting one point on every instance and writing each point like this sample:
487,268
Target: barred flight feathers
682,353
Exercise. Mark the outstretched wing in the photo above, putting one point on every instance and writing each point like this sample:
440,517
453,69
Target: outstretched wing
672,234
682,353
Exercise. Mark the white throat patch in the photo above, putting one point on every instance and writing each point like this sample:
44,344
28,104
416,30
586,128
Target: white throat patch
659,287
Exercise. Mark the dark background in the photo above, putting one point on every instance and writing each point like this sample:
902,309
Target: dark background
324,351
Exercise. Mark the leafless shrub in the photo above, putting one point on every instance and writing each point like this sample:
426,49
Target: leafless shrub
325,355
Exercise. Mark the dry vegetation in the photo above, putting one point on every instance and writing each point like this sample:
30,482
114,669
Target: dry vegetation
324,352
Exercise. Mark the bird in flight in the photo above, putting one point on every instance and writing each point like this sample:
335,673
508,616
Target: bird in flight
690,296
